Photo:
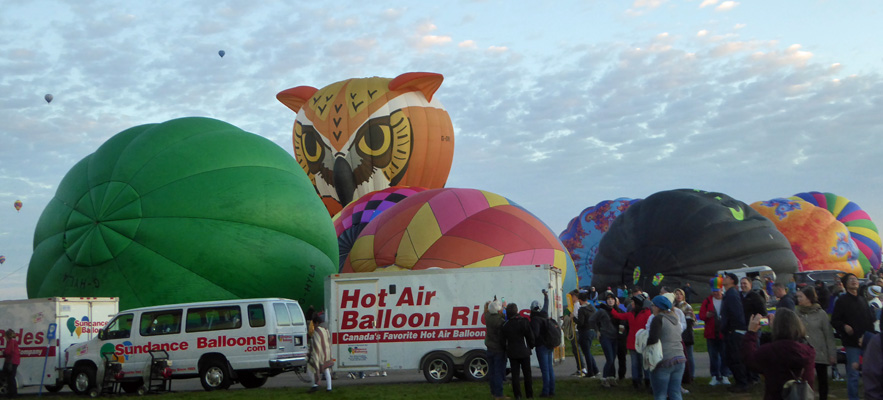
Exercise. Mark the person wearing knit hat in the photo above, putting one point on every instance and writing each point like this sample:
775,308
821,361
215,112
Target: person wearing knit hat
496,352
669,371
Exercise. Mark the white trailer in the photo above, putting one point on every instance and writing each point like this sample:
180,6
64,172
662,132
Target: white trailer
46,326
428,320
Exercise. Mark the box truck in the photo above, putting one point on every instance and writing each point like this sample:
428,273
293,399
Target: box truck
45,327
428,320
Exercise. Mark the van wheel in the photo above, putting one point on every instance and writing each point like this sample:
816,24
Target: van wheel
476,368
83,379
251,380
438,368
54,388
213,374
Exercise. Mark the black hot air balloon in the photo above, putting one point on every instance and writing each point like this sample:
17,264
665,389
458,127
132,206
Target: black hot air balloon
48,98
221,53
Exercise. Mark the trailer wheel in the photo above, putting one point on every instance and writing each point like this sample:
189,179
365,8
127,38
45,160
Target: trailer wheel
438,368
54,388
476,368
213,374
251,380
83,379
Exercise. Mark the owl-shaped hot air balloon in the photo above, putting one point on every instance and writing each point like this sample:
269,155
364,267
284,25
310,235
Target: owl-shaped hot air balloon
360,135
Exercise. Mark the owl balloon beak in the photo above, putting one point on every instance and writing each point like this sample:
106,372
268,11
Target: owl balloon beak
343,181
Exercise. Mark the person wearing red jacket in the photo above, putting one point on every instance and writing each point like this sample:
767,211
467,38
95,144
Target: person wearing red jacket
637,318
710,313
787,357
11,359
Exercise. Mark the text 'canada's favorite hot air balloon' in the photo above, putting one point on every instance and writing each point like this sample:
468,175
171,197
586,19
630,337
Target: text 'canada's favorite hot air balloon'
192,209
818,240
584,233
350,221
455,228
360,135
862,230
17,205
686,236
48,98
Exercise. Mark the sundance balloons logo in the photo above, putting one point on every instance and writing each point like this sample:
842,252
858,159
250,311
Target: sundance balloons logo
83,325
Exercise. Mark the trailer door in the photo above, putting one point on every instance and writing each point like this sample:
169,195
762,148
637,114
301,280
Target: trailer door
354,325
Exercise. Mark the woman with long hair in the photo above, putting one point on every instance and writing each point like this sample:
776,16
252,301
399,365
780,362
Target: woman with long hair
687,335
665,328
819,334
787,357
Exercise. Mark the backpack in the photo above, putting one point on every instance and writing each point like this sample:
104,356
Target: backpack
797,389
550,335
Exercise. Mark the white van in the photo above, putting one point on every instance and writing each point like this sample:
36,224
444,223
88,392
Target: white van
221,342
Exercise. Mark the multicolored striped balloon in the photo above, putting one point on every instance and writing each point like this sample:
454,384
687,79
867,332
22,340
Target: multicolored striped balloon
862,230
350,221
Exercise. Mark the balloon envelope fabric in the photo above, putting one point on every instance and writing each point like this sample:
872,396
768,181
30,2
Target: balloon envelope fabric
455,228
584,233
192,209
350,221
862,230
687,235
819,241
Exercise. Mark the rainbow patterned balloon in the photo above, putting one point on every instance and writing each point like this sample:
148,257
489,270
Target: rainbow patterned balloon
861,229
350,221
817,239
636,276
657,279
455,228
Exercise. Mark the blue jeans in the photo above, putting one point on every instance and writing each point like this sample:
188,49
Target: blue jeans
666,382
585,345
609,347
688,352
638,373
544,357
715,357
852,356
496,371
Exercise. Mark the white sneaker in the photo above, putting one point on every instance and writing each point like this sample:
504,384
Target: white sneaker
725,381
684,391
714,381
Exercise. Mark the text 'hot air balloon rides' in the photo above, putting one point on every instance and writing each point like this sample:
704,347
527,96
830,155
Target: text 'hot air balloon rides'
192,209
360,135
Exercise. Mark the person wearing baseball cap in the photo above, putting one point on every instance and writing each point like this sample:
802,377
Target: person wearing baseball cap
734,326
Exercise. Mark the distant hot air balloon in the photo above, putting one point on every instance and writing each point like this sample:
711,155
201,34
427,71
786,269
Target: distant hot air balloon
2,259
48,98
221,53
17,205
357,136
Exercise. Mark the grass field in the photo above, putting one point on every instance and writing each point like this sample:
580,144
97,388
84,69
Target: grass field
570,388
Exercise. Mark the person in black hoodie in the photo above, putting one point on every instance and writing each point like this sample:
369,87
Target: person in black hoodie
852,318
602,321
586,334
518,339
545,355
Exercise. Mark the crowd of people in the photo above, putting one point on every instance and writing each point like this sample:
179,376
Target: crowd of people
657,335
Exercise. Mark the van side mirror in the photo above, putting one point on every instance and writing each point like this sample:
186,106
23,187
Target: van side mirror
101,335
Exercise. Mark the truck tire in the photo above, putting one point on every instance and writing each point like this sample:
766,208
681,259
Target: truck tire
438,368
54,388
83,379
251,380
476,367
213,374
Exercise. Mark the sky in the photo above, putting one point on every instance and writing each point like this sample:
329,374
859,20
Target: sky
555,105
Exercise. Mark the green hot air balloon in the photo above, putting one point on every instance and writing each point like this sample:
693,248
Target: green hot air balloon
192,209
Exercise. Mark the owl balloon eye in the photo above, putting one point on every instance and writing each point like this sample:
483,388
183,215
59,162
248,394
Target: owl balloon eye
377,141
311,146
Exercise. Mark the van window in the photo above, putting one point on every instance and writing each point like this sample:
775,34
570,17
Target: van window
213,318
256,316
164,322
120,327
282,317
297,316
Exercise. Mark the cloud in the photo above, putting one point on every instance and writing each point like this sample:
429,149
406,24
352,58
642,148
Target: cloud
433,40
468,44
727,6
